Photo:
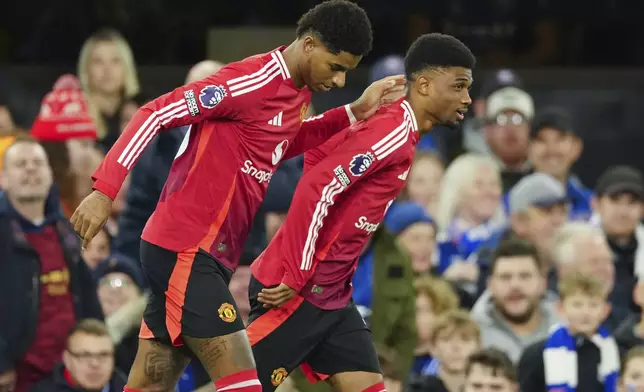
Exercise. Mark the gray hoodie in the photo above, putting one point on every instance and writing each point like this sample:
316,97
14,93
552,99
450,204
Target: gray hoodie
495,332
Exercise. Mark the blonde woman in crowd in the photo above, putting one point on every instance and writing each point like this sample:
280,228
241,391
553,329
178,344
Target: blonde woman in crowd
108,75
470,210
424,183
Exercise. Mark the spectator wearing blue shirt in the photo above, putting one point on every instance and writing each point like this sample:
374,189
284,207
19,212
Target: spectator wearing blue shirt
554,148
470,211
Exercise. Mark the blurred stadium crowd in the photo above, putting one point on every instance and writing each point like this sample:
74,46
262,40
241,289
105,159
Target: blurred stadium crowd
463,276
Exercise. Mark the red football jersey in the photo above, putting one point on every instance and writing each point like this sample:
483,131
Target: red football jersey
337,206
244,120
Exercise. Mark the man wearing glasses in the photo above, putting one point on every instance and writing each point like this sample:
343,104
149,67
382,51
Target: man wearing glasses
509,113
88,362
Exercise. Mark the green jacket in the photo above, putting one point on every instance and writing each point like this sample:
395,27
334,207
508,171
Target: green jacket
393,318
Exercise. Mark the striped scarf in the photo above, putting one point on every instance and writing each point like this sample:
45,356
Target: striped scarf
560,360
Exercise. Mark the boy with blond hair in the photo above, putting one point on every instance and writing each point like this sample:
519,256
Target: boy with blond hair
580,355
454,338
434,297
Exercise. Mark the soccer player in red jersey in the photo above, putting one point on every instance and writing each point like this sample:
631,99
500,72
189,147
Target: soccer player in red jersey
244,120
300,292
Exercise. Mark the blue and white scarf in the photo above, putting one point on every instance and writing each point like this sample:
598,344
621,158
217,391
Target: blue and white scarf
560,360
430,368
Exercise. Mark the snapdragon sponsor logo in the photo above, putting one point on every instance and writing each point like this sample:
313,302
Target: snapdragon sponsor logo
364,224
262,176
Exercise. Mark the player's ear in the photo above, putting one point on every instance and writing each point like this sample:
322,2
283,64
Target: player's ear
308,43
423,84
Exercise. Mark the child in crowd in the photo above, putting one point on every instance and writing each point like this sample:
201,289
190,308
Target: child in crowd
455,337
490,370
434,297
632,376
98,250
579,356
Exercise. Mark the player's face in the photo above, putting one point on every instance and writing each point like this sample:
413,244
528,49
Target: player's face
326,70
447,93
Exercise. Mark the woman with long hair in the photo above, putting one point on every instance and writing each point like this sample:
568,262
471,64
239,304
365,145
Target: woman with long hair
107,73
470,210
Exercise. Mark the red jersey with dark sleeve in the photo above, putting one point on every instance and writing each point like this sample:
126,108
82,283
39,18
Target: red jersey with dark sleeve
243,121
348,184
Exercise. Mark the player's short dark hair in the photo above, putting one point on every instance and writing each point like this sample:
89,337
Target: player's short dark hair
437,51
340,24
495,360
515,247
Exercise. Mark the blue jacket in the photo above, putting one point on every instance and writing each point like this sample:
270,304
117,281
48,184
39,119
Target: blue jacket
451,250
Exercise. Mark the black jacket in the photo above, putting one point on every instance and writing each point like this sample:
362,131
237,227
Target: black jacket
20,282
625,335
625,279
58,383
532,374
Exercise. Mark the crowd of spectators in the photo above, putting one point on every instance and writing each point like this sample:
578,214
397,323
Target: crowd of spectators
495,270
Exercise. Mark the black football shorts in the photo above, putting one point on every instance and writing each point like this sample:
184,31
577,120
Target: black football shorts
322,342
189,296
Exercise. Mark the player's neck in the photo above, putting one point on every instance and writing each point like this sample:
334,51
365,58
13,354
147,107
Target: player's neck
424,119
291,57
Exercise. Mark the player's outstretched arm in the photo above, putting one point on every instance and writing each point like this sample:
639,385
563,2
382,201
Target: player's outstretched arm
189,104
318,129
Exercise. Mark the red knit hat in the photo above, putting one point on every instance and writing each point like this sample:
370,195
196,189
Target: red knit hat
64,113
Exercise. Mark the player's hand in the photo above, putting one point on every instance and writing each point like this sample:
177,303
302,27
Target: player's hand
276,296
91,215
8,381
381,92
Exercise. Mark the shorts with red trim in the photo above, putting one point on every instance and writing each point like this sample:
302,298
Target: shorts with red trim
322,342
189,296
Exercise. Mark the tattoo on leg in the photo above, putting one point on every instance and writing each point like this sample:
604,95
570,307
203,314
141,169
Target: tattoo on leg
209,350
162,366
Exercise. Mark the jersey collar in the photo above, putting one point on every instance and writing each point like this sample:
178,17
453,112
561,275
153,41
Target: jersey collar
407,107
277,55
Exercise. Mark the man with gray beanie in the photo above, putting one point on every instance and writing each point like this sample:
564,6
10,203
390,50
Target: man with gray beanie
538,206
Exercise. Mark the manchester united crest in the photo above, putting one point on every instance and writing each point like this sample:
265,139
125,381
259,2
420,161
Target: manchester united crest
278,376
303,112
227,312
